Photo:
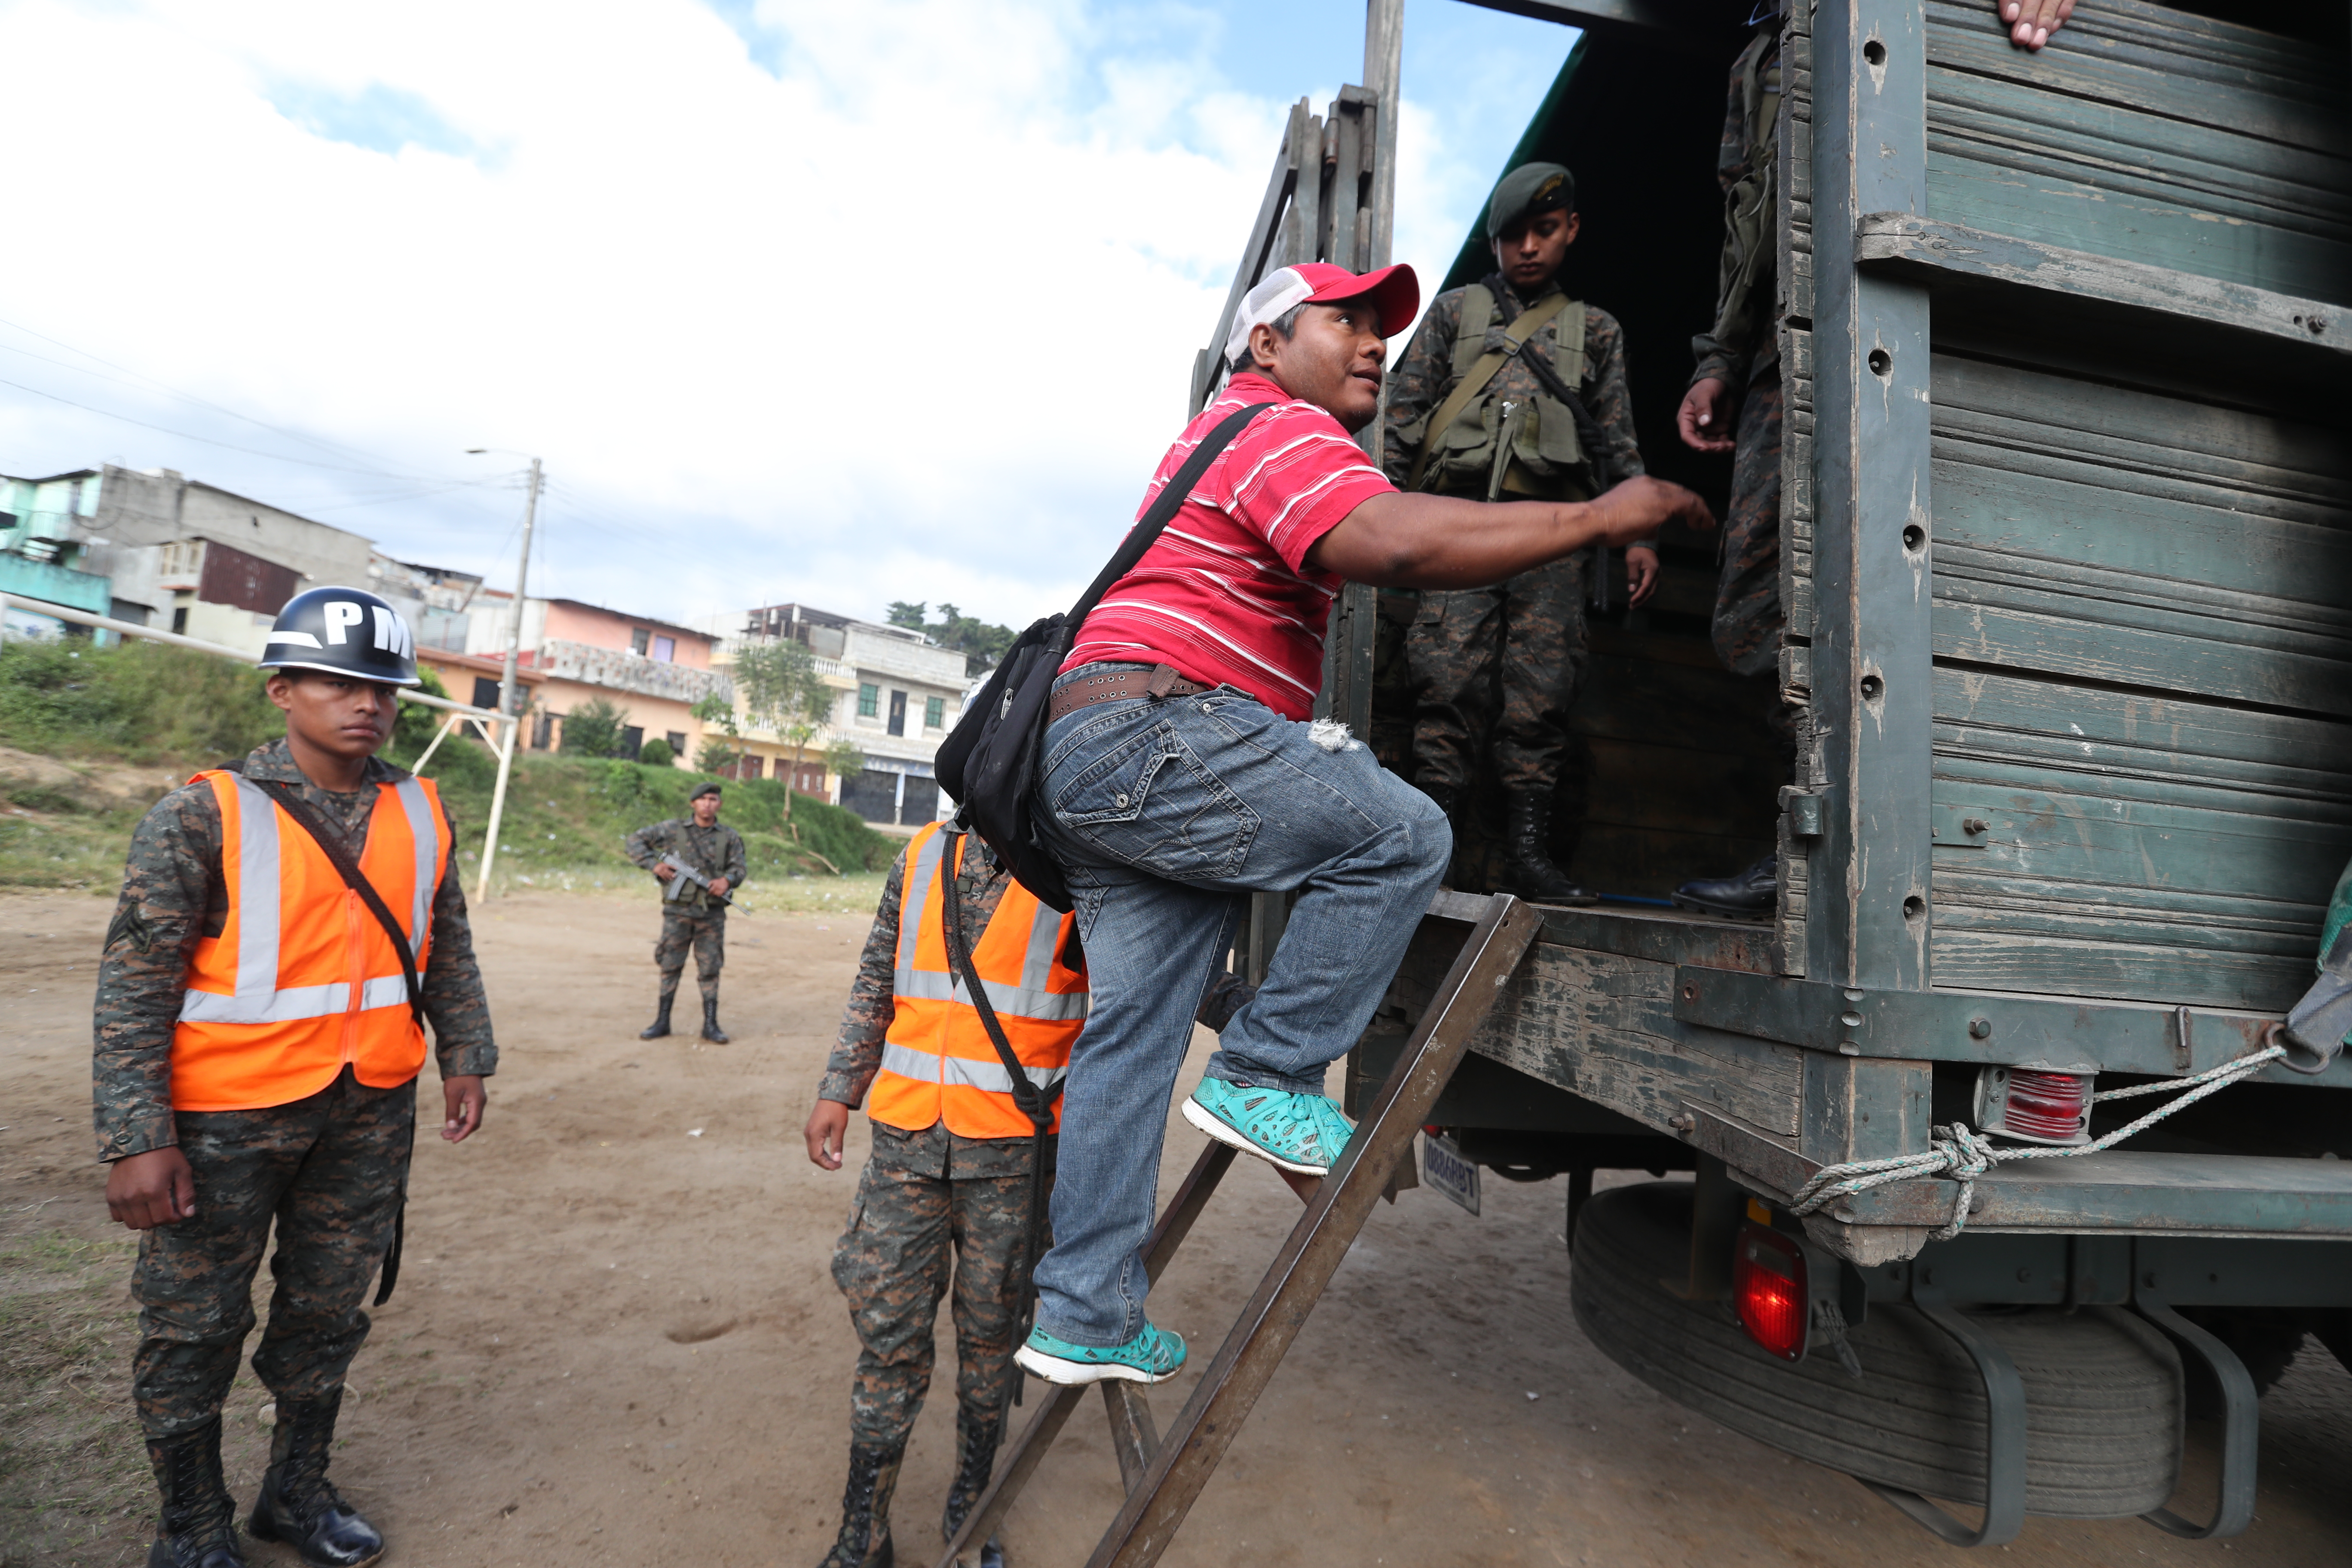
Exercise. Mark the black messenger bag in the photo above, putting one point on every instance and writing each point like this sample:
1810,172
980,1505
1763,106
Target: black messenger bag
989,763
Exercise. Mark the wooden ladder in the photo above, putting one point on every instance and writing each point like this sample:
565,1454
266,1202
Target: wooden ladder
1164,1474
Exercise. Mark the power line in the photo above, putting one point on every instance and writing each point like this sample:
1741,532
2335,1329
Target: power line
319,442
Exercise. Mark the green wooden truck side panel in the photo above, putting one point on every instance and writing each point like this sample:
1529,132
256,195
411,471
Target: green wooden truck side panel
2149,134
2142,569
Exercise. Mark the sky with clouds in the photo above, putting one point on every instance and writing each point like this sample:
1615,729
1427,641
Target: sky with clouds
797,299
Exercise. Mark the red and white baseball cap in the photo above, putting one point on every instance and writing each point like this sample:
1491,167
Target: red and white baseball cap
1393,291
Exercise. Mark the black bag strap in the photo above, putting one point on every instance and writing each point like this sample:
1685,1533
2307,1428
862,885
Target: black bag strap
356,881
1146,532
1034,1103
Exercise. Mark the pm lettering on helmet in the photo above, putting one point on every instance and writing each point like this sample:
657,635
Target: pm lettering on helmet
392,632
341,613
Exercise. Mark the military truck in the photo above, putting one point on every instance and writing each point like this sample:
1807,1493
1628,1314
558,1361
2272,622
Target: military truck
2067,560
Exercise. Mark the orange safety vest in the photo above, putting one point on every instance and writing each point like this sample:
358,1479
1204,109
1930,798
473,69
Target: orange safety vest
937,1060
302,977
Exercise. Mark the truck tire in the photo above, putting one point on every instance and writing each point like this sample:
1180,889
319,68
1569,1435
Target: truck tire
2102,1388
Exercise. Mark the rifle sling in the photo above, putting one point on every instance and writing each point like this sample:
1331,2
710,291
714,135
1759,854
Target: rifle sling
1473,382
295,806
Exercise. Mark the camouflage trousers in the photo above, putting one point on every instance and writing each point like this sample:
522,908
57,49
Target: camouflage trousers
1516,651
704,931
892,1264
329,1171
1748,619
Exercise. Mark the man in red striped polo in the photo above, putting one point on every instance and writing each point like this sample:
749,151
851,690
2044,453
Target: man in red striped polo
1181,773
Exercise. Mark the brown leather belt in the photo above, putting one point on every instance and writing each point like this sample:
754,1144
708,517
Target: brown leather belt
1161,680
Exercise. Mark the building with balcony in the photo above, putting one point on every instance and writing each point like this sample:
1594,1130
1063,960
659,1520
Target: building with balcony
896,694
175,552
40,558
573,653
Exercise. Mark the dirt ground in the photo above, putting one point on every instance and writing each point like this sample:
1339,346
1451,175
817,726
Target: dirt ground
615,1340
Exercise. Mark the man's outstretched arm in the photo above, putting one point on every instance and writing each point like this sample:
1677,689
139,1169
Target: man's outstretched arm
1400,541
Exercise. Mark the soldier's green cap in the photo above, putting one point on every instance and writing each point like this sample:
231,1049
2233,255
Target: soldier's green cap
1527,191
710,787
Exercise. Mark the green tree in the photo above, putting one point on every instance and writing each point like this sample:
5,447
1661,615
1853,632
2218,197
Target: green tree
593,729
843,760
714,755
777,682
656,754
981,643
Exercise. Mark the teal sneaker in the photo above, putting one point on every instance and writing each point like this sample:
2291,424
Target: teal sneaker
1154,1355
1301,1132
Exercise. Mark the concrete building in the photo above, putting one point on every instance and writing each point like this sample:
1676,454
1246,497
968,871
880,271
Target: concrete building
898,696
39,557
179,553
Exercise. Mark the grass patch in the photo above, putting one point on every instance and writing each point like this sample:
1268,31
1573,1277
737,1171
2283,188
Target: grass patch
566,818
106,728
73,1474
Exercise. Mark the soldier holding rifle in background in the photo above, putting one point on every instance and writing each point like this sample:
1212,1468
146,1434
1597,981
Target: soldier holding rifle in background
694,911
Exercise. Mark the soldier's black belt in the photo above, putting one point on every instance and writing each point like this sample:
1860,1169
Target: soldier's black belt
1161,680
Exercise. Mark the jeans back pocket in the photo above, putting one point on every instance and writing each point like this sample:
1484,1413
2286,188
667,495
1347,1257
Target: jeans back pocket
1150,801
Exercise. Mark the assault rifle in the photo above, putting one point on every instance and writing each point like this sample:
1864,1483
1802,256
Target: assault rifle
686,874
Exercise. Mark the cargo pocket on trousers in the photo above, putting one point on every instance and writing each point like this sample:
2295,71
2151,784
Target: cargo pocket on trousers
1153,804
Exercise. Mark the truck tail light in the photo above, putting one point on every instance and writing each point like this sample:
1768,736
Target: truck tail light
1769,1289
2033,1106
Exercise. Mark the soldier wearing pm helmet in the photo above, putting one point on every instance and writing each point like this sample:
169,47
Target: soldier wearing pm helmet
288,926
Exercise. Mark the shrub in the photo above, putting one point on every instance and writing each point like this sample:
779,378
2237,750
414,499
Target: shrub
594,730
656,754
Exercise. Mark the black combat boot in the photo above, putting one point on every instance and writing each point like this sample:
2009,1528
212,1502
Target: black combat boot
1527,843
975,1460
865,1538
1750,896
298,1505
660,1025
198,1526
710,1029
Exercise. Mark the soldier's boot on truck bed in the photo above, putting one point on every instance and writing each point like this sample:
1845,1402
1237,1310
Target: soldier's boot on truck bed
976,1459
865,1538
1527,845
660,1025
298,1505
1751,895
710,1029
198,1527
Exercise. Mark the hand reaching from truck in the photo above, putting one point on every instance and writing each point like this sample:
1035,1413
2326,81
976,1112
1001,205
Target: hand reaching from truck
2030,21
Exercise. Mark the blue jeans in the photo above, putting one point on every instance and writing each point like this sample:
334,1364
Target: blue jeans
1164,815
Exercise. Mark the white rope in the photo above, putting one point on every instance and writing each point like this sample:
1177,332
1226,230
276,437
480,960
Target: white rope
1960,1152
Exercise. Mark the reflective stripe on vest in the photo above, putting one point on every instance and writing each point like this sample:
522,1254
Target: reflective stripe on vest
938,1062
269,1014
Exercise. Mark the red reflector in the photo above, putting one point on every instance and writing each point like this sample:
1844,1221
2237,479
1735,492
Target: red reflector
1767,1286
2046,1104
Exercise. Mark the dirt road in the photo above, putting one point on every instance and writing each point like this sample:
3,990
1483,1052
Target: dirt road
615,1340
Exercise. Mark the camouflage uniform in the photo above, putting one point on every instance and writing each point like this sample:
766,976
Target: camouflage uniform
694,920
1523,640
921,1195
330,1169
1742,350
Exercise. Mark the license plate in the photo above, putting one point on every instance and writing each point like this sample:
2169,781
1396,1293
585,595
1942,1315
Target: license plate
1443,1167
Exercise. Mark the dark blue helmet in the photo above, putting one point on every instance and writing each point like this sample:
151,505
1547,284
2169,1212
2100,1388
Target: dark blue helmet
345,631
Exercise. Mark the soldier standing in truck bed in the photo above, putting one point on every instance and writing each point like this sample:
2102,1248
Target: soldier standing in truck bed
1511,391
692,919
1733,406
288,924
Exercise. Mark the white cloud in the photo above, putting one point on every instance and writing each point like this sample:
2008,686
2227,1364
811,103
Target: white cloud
895,301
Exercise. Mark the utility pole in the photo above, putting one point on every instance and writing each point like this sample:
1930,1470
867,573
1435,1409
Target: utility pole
506,686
